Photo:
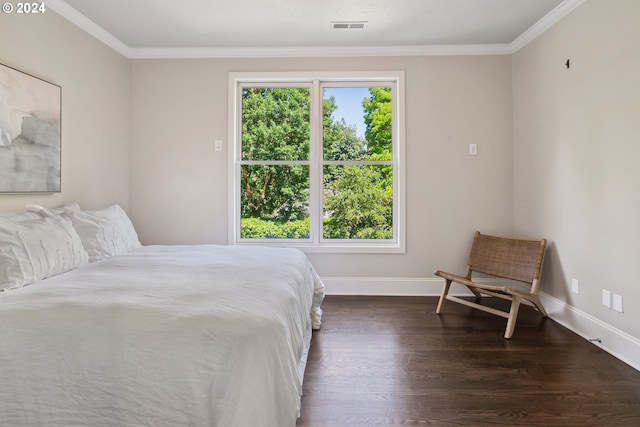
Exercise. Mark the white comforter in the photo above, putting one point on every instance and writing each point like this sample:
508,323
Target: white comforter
162,336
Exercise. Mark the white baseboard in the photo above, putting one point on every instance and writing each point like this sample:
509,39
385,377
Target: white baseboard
389,286
614,341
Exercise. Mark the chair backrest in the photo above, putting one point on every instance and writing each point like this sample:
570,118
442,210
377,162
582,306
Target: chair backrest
513,259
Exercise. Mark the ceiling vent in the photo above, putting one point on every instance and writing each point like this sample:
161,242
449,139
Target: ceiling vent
349,25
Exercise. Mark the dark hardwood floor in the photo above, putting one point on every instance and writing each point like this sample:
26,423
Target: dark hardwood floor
393,361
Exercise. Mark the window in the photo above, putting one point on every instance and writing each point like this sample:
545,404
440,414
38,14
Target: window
317,161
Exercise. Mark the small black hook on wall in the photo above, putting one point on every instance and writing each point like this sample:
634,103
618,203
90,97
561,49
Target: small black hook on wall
567,64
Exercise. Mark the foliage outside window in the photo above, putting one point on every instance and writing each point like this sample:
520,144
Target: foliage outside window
304,175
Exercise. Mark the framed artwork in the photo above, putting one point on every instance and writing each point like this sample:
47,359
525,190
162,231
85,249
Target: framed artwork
30,124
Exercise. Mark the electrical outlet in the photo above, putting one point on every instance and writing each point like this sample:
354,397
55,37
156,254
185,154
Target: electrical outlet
606,298
575,286
473,149
617,303
217,144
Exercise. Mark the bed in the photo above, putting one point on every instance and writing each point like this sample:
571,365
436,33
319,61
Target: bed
200,335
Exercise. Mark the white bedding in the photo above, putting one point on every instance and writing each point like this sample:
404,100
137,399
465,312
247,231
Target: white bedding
161,336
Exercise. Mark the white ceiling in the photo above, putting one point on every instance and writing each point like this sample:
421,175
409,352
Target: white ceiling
139,25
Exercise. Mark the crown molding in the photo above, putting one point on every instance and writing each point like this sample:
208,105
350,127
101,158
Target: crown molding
84,23
79,20
546,22
318,51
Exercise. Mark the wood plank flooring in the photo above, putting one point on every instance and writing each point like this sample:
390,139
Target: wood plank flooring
393,361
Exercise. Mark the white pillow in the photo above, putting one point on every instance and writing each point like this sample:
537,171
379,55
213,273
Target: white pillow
35,249
42,211
105,232
18,216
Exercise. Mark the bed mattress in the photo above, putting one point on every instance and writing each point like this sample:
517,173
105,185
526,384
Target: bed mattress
161,336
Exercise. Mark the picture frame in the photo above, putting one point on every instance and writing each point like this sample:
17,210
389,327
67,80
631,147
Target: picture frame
30,133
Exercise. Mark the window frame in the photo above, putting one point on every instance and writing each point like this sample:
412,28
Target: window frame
315,81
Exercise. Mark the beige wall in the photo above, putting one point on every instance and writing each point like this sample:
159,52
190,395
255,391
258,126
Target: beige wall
95,107
179,183
577,155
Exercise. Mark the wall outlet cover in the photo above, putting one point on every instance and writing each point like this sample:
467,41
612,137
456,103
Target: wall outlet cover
606,298
617,303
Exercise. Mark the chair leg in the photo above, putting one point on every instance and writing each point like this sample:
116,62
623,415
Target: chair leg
513,315
539,306
443,296
476,293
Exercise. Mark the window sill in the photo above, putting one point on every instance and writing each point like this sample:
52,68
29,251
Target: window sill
328,248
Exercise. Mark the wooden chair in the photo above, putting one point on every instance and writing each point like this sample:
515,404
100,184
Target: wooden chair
513,259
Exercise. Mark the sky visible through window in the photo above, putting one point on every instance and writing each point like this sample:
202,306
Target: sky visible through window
349,102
